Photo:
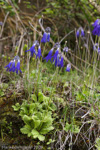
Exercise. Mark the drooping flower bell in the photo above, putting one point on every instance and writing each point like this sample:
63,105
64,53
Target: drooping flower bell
9,66
55,57
49,56
57,45
98,50
17,68
61,63
65,49
12,67
39,52
46,35
57,60
68,67
80,30
32,49
96,46
96,25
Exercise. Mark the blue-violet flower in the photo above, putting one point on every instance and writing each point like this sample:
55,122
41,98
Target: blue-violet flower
65,49
61,64
96,25
9,65
49,56
68,67
32,49
39,53
12,66
17,68
80,30
55,55
46,35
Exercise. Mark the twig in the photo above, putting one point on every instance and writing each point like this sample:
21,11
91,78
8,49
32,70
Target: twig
41,25
21,38
66,36
35,29
17,14
85,114
66,139
4,24
5,38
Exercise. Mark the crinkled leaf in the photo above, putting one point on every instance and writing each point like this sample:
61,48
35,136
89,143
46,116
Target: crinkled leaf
27,119
46,130
35,133
26,129
34,97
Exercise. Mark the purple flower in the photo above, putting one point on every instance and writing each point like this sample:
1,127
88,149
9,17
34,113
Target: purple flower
57,61
77,33
49,56
80,30
95,47
68,67
55,55
44,38
56,58
12,66
65,49
9,65
61,64
46,35
17,68
39,53
32,50
98,49
96,25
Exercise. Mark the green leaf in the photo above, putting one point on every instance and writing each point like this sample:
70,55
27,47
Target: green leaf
40,97
26,129
50,141
34,97
16,107
25,108
31,108
67,127
35,133
46,130
27,119
36,123
71,127
52,107
97,143
41,137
